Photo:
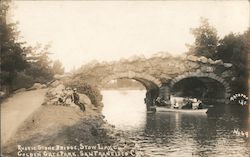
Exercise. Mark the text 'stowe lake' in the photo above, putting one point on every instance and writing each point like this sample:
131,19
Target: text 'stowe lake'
175,134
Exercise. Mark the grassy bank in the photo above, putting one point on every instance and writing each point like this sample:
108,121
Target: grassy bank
52,125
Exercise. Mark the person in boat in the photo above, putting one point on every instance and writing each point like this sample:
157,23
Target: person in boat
176,105
195,104
200,106
158,101
188,104
176,102
76,99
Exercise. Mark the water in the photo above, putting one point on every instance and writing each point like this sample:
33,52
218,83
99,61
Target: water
177,134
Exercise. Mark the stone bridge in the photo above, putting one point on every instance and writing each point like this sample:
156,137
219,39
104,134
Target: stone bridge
162,76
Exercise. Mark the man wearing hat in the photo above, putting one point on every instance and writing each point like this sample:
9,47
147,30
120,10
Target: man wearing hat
76,99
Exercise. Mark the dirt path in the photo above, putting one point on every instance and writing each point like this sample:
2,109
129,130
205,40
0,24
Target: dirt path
51,125
18,108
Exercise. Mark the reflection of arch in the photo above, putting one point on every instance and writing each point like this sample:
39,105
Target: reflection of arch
205,75
148,81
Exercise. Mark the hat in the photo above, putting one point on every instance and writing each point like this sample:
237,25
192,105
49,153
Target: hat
74,89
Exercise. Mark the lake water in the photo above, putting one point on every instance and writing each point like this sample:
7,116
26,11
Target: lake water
177,134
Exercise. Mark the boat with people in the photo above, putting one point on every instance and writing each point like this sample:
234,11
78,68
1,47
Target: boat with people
184,105
165,109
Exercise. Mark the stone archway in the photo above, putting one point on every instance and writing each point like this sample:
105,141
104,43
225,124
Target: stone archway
151,84
212,76
147,80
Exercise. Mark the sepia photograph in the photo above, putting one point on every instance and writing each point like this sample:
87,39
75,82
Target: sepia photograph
126,78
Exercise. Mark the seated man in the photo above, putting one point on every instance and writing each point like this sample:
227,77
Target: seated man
76,99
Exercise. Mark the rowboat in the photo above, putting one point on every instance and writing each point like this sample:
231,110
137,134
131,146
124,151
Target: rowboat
190,111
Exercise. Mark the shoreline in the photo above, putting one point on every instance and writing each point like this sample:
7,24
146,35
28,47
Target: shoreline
66,126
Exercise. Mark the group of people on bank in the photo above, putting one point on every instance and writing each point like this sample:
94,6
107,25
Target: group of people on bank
70,97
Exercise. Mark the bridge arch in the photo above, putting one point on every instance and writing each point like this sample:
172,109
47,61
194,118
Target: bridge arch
200,75
148,81
151,84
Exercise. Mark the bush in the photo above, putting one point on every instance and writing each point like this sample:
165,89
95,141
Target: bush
92,92
22,81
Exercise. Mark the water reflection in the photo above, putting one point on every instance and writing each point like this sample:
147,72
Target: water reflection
125,109
177,134
193,135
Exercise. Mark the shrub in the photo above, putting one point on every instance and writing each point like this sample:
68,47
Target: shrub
91,91
22,81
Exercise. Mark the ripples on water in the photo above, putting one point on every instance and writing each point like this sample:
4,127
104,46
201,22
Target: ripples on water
176,134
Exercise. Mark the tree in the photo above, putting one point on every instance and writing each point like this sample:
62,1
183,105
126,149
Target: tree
233,48
247,58
206,40
40,65
13,57
21,65
57,67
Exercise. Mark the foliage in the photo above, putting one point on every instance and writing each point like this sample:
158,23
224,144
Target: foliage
22,80
233,48
21,65
247,57
40,64
57,67
206,40
228,46
83,87
92,92
13,56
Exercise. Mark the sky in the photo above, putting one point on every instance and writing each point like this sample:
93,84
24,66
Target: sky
81,31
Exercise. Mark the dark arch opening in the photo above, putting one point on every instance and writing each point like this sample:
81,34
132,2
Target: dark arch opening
203,88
